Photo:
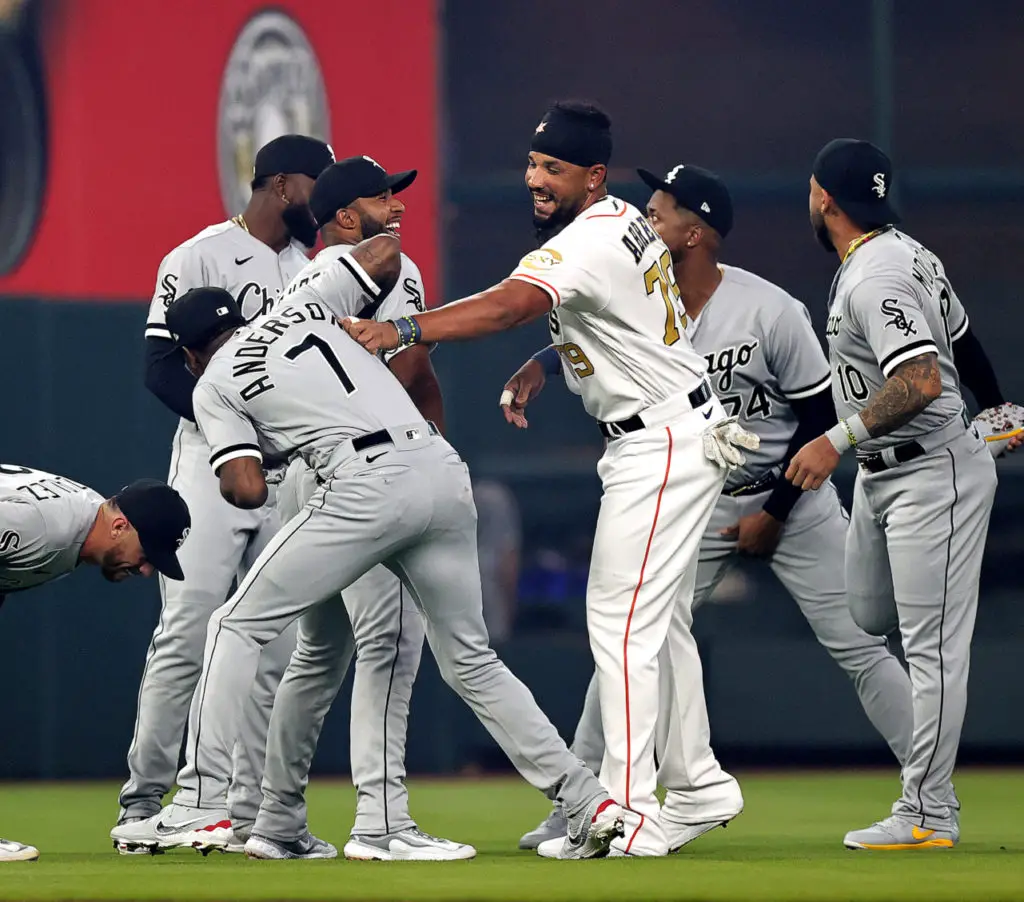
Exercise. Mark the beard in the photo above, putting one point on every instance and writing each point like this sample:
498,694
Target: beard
370,227
553,224
821,232
301,225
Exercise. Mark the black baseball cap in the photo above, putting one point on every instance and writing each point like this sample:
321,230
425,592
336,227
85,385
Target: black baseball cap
338,185
859,176
698,190
200,315
161,518
293,154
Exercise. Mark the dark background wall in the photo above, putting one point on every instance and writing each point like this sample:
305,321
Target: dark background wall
747,88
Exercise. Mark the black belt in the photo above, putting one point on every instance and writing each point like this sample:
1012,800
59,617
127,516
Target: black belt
382,437
874,462
752,488
697,398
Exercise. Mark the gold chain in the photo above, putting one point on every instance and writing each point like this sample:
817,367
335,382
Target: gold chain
239,221
857,242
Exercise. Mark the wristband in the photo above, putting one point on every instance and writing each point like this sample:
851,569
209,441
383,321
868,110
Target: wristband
550,360
409,331
847,434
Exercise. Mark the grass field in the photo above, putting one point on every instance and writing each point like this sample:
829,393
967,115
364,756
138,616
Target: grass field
786,845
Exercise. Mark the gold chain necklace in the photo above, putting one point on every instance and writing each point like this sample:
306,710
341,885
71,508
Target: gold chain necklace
863,239
239,221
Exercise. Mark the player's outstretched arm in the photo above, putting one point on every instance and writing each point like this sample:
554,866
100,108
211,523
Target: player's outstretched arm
504,306
416,373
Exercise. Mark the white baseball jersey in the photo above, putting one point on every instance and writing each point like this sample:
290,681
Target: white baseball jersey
761,353
891,301
328,278
295,382
616,314
44,520
223,256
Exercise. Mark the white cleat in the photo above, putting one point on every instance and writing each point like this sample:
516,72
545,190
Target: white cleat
590,835
135,836
17,851
680,835
263,848
411,844
178,827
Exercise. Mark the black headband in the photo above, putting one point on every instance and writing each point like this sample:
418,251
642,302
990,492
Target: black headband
572,138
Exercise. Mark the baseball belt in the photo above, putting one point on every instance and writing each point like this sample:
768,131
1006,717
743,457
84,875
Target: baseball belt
887,458
697,398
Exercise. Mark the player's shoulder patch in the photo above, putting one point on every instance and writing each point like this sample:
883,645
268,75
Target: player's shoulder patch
542,260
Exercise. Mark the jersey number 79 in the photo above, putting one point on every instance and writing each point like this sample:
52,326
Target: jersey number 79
660,275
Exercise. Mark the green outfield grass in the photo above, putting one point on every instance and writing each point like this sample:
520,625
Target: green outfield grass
786,845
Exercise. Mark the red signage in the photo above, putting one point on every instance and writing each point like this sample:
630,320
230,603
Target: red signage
154,110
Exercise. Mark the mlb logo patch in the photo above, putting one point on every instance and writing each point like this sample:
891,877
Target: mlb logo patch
412,434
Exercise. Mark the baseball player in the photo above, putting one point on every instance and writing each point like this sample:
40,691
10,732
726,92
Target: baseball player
254,256
356,199
766,366
49,525
604,280
926,482
390,490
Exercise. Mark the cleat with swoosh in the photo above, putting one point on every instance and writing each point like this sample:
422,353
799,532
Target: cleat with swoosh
898,833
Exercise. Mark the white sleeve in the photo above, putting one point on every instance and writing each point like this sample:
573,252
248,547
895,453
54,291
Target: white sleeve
181,270
570,270
345,287
226,429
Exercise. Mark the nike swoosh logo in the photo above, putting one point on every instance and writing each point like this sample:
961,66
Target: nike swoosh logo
239,262
165,829
370,460
918,833
707,416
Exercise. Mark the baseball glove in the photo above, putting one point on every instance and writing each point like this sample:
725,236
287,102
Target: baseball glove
723,441
998,425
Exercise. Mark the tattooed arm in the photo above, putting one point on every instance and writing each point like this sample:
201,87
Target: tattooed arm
910,388
913,385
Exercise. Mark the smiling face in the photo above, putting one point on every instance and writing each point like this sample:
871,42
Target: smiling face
378,214
559,189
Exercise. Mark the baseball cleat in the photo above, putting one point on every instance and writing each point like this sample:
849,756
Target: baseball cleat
589,834
135,836
411,844
554,826
263,848
679,835
17,851
178,826
897,833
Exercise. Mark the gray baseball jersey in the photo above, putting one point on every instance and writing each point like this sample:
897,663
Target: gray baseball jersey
224,256
224,538
327,279
295,381
44,520
761,353
891,301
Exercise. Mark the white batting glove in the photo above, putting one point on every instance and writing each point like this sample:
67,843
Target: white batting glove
999,425
723,441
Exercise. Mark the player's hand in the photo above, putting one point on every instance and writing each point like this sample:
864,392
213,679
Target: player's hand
370,334
522,388
1016,442
756,534
813,464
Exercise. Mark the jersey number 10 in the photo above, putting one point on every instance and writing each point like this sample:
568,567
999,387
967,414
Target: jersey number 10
661,276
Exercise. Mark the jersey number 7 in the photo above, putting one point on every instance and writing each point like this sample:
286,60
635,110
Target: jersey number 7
315,341
660,275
